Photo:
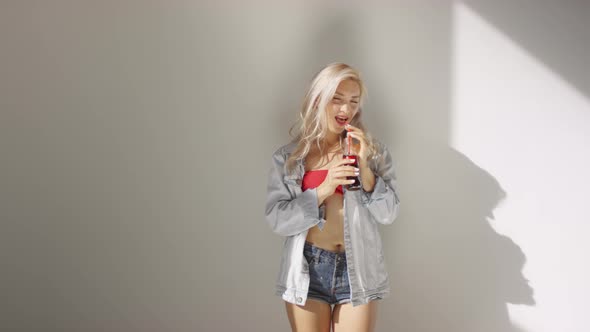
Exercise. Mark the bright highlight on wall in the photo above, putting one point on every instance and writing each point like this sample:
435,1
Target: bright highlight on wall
523,123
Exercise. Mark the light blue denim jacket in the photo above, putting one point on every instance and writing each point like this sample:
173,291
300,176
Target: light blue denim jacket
291,212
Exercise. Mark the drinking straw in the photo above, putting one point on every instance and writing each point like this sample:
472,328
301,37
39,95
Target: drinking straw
349,140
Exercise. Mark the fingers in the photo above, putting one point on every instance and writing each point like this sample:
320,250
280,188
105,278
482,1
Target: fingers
345,171
338,162
342,177
355,132
350,127
358,135
344,161
339,175
341,170
345,181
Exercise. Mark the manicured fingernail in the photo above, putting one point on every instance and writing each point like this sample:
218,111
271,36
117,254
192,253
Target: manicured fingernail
356,169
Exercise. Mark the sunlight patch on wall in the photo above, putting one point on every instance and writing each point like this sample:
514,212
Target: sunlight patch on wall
530,129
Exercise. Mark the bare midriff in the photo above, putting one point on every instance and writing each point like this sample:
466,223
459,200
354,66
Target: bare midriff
331,237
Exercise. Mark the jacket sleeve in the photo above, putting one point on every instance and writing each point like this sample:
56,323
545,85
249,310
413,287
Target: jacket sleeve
286,213
383,201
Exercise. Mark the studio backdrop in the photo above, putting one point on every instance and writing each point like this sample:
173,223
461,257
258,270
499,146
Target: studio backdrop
136,137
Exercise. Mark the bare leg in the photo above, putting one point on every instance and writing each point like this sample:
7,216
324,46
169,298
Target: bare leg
313,317
347,318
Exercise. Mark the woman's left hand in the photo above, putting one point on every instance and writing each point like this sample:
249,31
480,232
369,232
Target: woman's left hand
360,136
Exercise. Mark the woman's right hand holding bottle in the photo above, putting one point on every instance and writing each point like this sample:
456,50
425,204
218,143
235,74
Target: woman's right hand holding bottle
337,175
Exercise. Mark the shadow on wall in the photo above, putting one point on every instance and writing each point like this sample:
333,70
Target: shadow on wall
450,270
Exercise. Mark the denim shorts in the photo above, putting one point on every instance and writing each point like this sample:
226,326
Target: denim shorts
328,275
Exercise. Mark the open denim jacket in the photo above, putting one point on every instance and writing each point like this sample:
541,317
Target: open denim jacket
290,212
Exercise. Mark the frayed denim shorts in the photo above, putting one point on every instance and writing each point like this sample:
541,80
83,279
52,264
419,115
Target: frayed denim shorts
328,275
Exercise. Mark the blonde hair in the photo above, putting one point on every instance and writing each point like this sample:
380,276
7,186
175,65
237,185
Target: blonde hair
312,123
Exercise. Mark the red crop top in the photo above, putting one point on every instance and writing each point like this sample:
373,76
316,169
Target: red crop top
314,178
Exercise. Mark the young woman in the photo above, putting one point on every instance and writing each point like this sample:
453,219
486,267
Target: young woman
332,254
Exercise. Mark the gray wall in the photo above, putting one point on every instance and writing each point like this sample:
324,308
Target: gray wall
136,137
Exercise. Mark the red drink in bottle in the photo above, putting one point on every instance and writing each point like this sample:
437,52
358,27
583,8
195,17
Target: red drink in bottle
348,154
357,183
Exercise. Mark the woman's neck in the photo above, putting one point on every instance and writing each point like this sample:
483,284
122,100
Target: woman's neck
332,140
331,144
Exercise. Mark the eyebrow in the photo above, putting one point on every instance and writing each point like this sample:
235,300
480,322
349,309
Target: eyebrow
338,93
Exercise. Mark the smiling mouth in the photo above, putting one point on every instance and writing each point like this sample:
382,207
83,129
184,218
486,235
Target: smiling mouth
342,120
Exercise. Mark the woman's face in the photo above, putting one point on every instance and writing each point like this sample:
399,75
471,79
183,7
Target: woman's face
343,106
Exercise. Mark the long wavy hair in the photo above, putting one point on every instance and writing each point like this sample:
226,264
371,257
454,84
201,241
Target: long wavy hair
312,126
